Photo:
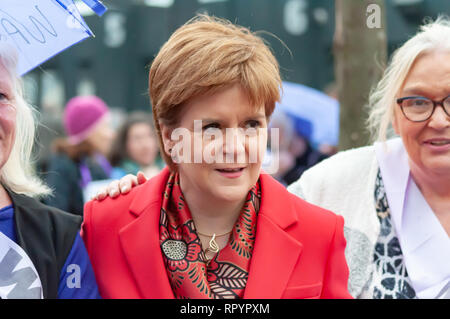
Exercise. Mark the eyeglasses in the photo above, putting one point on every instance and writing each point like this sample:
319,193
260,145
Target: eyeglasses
420,109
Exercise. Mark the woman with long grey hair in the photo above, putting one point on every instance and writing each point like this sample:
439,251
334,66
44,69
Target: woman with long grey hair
41,241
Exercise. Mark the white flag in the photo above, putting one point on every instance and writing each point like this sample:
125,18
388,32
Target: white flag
40,29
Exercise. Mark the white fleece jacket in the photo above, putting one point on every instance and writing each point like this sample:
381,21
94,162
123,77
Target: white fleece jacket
345,184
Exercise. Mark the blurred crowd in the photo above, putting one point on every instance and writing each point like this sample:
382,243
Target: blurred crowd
93,151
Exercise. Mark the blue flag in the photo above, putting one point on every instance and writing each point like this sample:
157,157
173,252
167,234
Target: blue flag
97,6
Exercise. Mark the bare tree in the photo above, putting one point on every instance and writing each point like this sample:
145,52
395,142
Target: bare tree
360,51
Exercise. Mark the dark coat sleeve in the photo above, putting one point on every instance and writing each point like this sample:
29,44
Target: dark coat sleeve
64,178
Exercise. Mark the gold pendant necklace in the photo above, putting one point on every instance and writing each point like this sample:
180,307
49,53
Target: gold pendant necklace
213,246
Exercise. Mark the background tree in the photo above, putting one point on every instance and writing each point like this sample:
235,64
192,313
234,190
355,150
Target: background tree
360,52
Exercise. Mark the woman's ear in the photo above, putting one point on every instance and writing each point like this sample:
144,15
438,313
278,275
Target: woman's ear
166,134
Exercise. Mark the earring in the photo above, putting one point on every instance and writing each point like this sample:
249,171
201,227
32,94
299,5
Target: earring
174,157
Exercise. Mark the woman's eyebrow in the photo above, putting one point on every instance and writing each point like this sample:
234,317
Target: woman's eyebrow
412,91
210,119
203,121
416,90
256,116
5,86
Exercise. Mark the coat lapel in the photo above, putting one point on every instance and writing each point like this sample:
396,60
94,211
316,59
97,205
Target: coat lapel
140,241
276,252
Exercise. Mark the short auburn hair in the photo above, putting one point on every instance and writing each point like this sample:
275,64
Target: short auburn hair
204,56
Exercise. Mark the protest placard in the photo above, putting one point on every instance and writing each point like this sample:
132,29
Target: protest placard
40,29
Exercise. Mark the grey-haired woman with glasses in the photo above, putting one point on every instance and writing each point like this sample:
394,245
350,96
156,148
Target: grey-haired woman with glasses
395,195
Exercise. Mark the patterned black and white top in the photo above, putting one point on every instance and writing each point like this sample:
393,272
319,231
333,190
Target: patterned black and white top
389,276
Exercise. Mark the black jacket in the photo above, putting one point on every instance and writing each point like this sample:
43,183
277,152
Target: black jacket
308,159
64,178
47,235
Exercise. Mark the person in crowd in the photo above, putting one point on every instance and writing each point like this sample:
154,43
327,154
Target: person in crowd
214,229
41,252
135,148
296,153
80,158
303,154
281,125
395,195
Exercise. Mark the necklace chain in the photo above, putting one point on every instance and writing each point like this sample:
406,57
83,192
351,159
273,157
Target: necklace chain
214,235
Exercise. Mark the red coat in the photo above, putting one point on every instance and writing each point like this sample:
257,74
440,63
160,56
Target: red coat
298,251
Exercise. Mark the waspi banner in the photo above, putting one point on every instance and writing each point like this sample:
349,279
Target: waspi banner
40,29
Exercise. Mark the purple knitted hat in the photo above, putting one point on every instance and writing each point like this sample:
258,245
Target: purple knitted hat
81,115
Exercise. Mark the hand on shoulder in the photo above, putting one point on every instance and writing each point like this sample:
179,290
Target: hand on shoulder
122,186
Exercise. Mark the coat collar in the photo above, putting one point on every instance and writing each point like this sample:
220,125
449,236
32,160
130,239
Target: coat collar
149,193
276,252
274,248
140,240
276,198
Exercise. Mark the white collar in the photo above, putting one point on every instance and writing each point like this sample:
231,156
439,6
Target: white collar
425,244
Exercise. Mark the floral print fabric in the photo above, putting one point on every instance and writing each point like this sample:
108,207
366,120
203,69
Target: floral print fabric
225,276
389,277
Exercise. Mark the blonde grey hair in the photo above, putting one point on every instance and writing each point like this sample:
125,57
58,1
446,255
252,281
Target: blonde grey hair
432,36
18,172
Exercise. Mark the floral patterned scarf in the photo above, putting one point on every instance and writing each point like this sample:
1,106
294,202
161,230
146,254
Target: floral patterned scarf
225,276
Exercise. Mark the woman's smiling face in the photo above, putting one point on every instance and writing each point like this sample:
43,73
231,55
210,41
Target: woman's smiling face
427,142
231,160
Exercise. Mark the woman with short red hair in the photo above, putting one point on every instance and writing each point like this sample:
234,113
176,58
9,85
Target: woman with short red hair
214,229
